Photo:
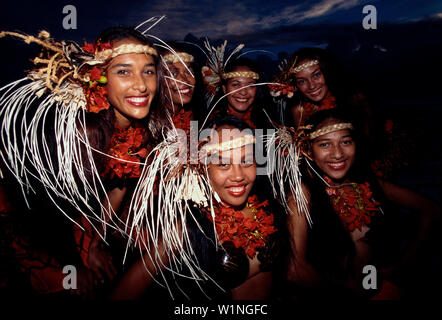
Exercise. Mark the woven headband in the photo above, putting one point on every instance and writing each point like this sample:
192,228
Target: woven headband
304,66
104,55
178,57
240,74
328,129
228,145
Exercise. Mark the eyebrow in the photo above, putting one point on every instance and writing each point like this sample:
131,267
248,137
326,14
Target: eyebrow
325,139
125,65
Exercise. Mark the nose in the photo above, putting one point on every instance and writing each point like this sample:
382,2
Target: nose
337,152
243,91
310,84
236,173
140,83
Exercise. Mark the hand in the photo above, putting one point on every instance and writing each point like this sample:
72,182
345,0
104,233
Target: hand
100,260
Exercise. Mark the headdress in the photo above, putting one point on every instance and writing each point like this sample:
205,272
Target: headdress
213,73
329,129
73,84
178,57
303,66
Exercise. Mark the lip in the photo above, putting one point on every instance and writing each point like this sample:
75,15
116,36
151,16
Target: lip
237,190
315,93
185,91
138,101
241,100
337,165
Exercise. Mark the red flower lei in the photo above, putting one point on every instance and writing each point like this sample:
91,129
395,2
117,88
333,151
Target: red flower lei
247,117
309,108
247,233
182,120
353,203
126,145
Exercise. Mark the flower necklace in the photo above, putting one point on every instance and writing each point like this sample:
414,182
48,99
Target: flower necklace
126,147
182,120
309,108
247,233
246,117
354,204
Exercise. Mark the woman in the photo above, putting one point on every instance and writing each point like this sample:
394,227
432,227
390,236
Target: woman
133,123
182,86
115,80
238,259
238,81
349,217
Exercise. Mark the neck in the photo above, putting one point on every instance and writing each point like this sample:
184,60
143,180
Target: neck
121,121
238,114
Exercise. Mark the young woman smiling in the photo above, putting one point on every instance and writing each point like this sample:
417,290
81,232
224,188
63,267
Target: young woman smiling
182,85
350,217
237,262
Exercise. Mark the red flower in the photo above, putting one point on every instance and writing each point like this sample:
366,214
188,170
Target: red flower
96,98
124,147
95,74
89,48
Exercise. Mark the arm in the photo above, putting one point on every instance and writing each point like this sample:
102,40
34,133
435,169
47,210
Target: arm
299,270
429,212
140,276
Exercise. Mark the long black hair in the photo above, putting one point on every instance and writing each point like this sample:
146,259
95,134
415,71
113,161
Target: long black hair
197,104
330,248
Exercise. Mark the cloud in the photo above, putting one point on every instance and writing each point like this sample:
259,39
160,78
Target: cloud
223,18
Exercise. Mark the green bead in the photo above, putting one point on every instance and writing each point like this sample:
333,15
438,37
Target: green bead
102,80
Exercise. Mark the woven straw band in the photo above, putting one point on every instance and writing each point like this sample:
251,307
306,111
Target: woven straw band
328,129
125,49
304,66
178,57
241,74
228,145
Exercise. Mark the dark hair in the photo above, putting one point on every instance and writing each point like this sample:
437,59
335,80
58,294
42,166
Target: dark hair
197,104
228,121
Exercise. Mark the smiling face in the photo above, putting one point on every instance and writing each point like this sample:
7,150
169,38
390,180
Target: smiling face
131,86
311,82
183,83
233,172
242,97
334,153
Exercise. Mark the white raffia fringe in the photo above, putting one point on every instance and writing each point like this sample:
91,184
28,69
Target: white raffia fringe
283,167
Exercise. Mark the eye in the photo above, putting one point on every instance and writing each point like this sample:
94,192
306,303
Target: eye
324,144
123,72
223,165
248,162
150,71
347,142
317,75
300,82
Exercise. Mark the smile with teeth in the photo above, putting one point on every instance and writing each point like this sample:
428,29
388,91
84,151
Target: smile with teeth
315,93
183,91
138,101
337,165
241,100
237,190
